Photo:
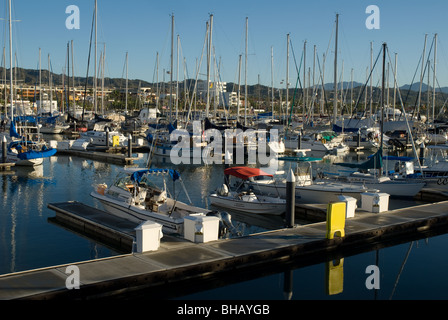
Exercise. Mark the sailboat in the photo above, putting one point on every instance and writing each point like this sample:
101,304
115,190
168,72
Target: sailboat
307,190
26,146
395,188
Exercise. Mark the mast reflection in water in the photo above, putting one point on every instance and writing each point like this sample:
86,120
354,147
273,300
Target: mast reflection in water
28,240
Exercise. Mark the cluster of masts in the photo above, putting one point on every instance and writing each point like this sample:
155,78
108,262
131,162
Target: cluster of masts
309,99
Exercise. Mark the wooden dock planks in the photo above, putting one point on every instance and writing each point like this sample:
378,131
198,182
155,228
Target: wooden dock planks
178,259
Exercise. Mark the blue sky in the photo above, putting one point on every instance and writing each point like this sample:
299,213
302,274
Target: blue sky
143,28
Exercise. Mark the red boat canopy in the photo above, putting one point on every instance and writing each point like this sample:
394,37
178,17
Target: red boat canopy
245,172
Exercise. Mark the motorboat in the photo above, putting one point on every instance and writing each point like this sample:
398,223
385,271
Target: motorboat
246,200
26,146
306,189
99,138
134,196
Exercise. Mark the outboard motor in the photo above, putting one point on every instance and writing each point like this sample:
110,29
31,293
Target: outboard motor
223,190
225,223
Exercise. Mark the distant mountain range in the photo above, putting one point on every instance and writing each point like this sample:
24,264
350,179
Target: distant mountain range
30,77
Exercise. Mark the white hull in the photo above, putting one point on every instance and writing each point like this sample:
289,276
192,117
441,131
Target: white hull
395,188
199,153
98,138
170,223
13,158
138,215
440,183
313,145
53,129
318,192
246,206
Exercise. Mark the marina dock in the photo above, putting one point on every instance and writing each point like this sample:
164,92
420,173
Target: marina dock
179,261
100,156
6,166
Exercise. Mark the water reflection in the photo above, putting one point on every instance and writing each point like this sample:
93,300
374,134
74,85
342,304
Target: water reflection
28,241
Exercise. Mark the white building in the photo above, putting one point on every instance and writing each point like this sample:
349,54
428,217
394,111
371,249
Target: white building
216,91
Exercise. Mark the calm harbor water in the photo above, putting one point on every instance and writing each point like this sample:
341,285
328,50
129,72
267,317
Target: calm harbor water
29,239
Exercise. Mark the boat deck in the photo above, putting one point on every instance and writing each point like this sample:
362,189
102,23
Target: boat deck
178,261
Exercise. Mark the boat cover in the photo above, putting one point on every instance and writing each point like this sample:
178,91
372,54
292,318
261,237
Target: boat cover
245,172
137,175
374,162
31,154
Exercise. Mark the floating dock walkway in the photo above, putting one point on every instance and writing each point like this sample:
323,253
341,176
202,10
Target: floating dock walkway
178,262
99,156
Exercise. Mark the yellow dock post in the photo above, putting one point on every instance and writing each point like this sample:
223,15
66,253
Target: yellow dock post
336,219
115,141
334,274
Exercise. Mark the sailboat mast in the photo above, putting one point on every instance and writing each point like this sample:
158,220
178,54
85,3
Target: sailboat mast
335,99
126,104
40,82
272,82
395,84
4,68
383,93
421,77
94,75
351,94
171,68
10,63
177,78
287,70
73,81
434,78
207,103
305,98
245,78
239,89
50,86
102,78
157,81
371,78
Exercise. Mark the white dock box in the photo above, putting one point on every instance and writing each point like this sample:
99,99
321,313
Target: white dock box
65,145
200,228
350,204
374,202
148,235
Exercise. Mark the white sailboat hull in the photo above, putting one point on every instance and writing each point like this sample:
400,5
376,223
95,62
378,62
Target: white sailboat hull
12,158
395,188
314,193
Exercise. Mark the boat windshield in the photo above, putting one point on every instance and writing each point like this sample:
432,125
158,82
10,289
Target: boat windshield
125,182
145,182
